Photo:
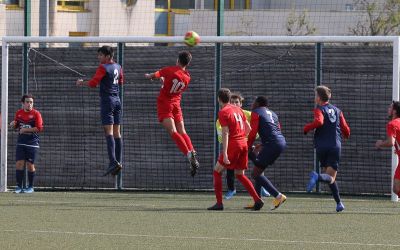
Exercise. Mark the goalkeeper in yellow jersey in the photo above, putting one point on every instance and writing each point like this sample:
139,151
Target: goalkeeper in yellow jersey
237,100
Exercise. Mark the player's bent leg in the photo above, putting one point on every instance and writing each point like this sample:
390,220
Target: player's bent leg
258,203
192,155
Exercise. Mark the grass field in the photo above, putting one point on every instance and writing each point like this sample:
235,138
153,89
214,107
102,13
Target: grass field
148,220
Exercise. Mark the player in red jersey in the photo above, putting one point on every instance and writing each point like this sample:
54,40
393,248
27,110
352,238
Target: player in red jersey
393,139
175,80
235,129
28,122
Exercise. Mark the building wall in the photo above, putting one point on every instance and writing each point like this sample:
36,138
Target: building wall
269,22
61,23
117,19
2,20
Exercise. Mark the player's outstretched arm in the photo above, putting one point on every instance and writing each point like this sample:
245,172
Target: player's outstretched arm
389,142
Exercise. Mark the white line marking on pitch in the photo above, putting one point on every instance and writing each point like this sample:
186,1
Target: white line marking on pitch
207,238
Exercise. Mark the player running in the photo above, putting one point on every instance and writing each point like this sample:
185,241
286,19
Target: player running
330,127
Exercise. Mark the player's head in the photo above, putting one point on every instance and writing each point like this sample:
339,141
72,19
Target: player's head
394,110
260,101
322,94
236,99
224,96
27,102
105,54
184,58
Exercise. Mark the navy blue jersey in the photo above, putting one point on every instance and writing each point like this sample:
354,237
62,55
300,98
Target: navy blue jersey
109,76
329,135
265,122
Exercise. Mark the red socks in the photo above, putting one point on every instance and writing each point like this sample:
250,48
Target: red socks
218,186
187,141
180,142
249,186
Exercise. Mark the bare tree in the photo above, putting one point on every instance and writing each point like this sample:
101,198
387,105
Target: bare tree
381,18
299,25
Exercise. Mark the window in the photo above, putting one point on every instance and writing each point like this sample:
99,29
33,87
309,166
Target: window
183,4
71,6
11,4
78,33
228,4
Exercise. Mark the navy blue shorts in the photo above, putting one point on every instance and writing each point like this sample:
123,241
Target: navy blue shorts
268,154
329,157
25,153
111,111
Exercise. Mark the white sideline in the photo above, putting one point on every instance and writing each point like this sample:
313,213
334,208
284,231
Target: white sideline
204,238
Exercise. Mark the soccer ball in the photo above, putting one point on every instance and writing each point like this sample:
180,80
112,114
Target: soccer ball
191,38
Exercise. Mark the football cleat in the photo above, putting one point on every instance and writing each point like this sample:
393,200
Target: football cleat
18,190
264,193
29,190
258,205
217,207
194,164
278,201
113,169
312,182
339,207
230,194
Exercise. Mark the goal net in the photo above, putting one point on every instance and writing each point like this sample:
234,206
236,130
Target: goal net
361,71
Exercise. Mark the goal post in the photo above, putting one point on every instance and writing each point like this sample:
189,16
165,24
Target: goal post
6,41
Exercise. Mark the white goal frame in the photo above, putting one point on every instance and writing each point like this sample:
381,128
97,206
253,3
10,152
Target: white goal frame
394,40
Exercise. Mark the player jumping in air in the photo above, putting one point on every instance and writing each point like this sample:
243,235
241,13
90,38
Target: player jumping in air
235,129
330,127
109,76
28,121
175,81
393,139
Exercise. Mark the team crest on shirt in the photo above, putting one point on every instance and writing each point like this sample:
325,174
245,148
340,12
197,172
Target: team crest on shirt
30,116
332,115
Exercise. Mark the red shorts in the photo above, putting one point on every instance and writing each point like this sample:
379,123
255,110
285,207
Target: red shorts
167,109
397,172
237,155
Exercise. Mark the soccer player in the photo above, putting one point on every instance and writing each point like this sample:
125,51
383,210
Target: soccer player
175,80
28,122
393,139
265,122
109,76
235,129
237,100
330,127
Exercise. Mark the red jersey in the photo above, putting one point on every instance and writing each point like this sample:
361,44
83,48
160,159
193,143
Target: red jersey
176,80
393,130
233,117
29,119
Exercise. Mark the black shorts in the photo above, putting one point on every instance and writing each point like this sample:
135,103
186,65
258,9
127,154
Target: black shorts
26,153
111,110
329,157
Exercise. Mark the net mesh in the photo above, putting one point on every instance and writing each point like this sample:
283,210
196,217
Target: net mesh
73,150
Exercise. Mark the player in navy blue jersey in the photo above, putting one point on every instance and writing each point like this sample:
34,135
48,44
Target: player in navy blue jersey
265,122
28,122
330,127
109,76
